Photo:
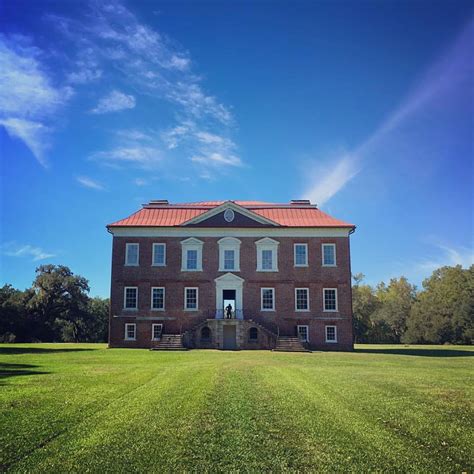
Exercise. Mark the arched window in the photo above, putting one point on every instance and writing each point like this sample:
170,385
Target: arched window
205,334
253,334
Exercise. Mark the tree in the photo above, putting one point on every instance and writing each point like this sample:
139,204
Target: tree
395,302
98,309
364,303
444,310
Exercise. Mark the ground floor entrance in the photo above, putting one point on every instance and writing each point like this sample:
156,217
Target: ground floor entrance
229,337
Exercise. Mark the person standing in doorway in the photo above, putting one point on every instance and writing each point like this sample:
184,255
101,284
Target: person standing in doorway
228,311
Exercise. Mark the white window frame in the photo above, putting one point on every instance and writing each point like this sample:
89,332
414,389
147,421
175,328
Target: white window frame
267,244
125,298
185,298
153,338
191,244
307,299
261,299
330,341
298,326
324,301
151,298
127,325
153,264
306,254
322,255
127,246
229,243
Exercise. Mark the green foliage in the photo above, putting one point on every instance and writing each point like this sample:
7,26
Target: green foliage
84,408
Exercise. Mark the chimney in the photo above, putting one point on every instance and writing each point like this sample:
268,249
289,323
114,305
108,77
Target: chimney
159,202
300,202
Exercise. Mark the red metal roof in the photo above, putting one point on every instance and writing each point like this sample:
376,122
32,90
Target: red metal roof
288,215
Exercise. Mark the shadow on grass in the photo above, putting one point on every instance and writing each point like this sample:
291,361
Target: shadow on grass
39,350
16,370
418,352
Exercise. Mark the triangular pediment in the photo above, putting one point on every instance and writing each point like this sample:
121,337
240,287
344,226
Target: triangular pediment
229,277
230,214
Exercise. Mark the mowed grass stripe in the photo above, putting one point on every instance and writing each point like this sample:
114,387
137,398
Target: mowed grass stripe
142,430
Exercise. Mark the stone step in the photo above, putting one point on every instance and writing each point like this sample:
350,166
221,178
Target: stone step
169,342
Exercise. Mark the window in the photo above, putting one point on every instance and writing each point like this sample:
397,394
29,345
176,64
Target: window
131,254
191,298
267,255
301,299
301,255
156,331
329,255
205,334
191,256
331,334
330,299
191,259
303,333
253,335
159,255
130,297
157,298
229,254
130,331
268,299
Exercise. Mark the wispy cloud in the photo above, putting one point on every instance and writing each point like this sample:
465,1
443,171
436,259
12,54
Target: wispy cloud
138,155
90,183
114,102
454,69
12,249
28,97
446,255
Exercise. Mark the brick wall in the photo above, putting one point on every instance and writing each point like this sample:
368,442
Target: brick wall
175,319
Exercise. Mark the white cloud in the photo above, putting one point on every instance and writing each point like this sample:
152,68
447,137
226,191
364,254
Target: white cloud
447,75
137,155
114,102
216,159
140,182
447,256
13,249
33,134
28,98
89,183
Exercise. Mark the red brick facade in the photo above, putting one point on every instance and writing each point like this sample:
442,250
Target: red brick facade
283,320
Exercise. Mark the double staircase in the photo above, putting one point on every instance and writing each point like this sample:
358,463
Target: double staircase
169,342
290,344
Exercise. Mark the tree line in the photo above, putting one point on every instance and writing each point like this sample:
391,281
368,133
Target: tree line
441,312
57,308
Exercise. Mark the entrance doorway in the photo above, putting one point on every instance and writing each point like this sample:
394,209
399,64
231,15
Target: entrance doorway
230,339
229,298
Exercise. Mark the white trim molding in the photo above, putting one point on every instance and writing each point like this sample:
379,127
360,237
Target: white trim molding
306,254
186,298
324,301
261,299
131,308
323,263
330,341
126,336
153,326
267,244
153,253
298,326
230,244
234,207
191,244
164,298
296,300
229,281
127,254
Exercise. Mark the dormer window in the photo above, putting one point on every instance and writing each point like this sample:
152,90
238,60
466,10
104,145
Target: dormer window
191,255
229,254
267,255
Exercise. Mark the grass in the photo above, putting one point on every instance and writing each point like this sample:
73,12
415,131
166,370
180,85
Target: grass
83,408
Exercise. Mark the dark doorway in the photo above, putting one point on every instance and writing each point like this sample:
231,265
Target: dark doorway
228,298
230,340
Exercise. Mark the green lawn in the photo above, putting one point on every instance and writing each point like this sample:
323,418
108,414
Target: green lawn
66,407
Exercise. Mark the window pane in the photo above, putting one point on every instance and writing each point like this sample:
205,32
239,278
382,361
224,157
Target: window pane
130,331
267,298
303,333
158,298
300,255
159,254
302,299
330,333
192,256
330,300
157,329
329,257
132,254
131,298
191,298
229,260
267,259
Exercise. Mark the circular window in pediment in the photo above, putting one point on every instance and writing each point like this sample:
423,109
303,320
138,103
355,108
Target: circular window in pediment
229,215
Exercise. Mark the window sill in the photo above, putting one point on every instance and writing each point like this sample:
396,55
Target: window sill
229,270
330,311
158,264
302,310
132,265
331,342
157,309
190,310
328,266
301,266
267,310
130,309
130,340
191,270
267,271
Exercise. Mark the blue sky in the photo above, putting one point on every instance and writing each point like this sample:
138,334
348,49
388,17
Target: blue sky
366,108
